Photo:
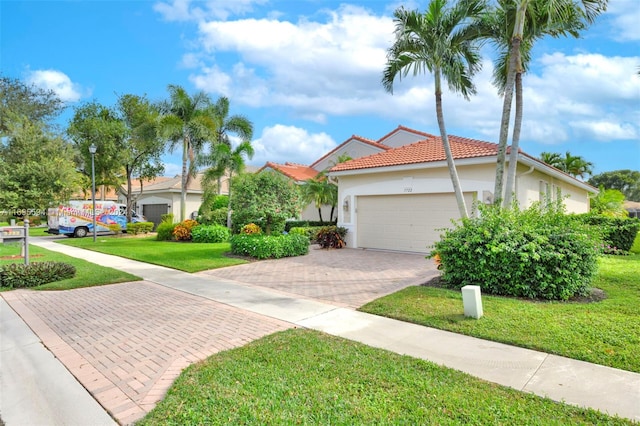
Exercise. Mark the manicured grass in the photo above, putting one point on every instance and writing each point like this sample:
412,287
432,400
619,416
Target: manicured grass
185,256
306,377
605,332
87,274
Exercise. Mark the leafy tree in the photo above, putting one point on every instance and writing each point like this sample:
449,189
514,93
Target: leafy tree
189,121
141,146
608,202
573,165
18,100
36,169
437,41
96,124
126,139
267,199
546,12
625,181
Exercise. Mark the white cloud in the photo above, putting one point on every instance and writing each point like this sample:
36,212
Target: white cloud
282,143
315,67
188,10
56,81
626,16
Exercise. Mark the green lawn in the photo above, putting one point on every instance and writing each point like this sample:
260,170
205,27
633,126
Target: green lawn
185,256
87,274
306,377
605,332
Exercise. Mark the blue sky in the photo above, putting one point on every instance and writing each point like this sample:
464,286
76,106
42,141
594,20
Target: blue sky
307,73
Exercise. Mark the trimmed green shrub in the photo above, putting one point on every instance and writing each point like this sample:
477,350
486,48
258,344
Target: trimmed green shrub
165,231
167,218
305,223
210,234
182,231
269,246
532,253
139,228
214,217
310,232
115,228
331,237
618,233
17,275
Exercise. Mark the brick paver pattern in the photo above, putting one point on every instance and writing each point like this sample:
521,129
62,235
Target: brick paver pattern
346,277
126,343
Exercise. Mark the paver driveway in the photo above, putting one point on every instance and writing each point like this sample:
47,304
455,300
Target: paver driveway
346,277
126,343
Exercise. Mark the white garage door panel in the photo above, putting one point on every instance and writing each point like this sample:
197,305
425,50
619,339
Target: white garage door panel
405,222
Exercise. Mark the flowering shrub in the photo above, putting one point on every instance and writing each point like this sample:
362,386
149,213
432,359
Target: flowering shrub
607,249
182,231
251,229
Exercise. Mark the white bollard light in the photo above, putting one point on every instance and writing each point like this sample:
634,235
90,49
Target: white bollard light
472,301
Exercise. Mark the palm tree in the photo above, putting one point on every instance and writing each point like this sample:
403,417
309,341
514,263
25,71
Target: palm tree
552,14
224,159
437,41
577,166
320,191
187,120
237,124
573,165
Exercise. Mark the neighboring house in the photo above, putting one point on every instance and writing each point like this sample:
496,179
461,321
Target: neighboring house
162,195
402,197
354,147
633,208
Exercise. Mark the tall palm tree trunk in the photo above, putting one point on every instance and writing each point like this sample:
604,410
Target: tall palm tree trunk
185,175
512,69
447,148
515,145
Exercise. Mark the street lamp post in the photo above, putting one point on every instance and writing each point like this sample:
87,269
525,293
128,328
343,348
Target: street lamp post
92,150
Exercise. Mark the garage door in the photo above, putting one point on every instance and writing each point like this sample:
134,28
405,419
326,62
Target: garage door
154,212
408,222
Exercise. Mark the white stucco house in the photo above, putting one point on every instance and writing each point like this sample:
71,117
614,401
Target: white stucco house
401,197
162,195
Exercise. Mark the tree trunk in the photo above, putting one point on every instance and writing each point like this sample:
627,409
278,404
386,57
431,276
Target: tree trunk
447,148
229,204
129,194
514,52
320,214
515,145
183,187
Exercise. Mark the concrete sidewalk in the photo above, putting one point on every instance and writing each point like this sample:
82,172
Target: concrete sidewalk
606,389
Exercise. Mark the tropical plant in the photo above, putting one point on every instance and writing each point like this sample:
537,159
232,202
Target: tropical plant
438,41
573,165
549,16
608,202
189,121
320,191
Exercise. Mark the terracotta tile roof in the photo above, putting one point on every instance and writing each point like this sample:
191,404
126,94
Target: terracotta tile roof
424,151
406,129
297,172
353,137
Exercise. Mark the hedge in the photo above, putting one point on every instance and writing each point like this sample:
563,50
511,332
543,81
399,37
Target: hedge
17,275
139,228
269,246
